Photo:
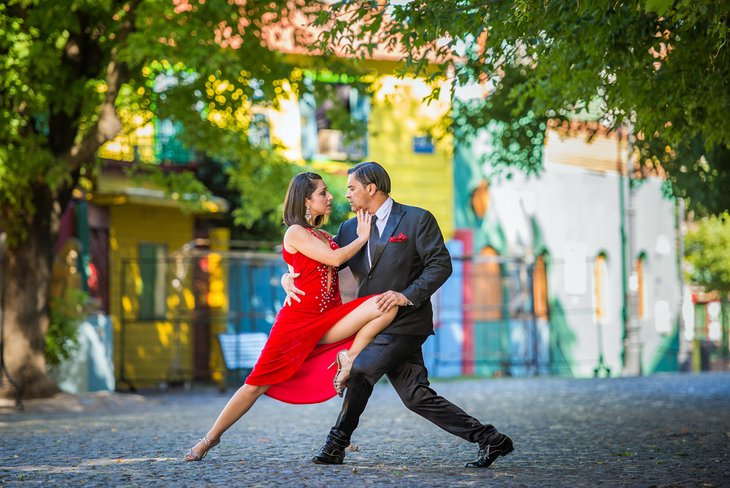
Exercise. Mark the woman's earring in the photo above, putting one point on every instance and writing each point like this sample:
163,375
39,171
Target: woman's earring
308,215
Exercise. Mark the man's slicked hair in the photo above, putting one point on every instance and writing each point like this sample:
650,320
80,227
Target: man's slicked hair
371,172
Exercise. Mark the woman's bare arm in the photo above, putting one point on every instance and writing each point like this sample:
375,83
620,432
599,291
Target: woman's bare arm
298,239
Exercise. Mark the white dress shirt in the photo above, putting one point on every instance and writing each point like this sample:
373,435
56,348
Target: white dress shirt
382,214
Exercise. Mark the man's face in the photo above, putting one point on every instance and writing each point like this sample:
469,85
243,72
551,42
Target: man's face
357,194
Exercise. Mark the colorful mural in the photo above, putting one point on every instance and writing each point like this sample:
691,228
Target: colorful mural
566,226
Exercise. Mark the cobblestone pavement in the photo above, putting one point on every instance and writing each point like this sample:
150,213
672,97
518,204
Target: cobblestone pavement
666,430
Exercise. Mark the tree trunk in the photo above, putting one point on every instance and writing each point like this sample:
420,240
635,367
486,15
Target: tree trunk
26,302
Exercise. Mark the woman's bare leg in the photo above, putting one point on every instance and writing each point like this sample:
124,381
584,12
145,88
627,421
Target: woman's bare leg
364,322
240,403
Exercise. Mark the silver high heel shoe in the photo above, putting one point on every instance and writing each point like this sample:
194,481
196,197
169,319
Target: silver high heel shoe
190,454
344,365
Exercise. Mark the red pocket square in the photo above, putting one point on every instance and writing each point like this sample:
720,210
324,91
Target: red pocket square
399,238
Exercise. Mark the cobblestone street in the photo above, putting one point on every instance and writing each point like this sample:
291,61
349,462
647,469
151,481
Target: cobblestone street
668,430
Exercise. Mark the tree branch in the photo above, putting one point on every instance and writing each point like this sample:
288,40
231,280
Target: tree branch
108,124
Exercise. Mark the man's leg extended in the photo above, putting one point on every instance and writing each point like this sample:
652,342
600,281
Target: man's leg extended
410,380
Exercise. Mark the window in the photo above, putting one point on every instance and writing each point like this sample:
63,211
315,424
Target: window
480,199
600,288
640,287
320,137
488,286
153,272
539,288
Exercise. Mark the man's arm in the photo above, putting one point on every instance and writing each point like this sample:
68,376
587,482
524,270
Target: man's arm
287,283
436,258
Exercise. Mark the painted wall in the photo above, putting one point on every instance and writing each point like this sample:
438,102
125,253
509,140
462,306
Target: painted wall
656,238
399,115
150,349
572,212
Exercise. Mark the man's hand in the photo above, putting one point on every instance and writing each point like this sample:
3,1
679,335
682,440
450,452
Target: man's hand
287,283
389,299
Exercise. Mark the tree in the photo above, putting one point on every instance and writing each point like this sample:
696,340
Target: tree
662,67
72,74
708,253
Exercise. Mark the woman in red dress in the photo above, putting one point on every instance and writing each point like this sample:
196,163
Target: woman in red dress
307,336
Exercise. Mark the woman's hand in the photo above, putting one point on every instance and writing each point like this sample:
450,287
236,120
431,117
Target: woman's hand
364,222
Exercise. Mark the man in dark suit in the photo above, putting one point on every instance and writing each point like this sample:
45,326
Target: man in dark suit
405,262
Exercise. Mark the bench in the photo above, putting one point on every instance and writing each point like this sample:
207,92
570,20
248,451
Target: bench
240,353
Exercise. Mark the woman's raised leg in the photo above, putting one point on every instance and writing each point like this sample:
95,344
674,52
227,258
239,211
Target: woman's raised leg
240,403
365,322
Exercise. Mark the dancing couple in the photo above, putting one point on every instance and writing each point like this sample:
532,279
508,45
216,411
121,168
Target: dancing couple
398,258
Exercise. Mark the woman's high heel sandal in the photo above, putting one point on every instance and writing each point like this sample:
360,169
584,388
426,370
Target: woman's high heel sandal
190,455
344,365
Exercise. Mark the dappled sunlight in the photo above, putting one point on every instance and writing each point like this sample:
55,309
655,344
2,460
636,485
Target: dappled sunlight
113,241
285,128
172,302
132,144
188,299
126,305
141,353
185,334
217,287
165,333
112,461
92,463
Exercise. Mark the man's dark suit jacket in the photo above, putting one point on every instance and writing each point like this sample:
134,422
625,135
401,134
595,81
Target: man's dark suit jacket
410,257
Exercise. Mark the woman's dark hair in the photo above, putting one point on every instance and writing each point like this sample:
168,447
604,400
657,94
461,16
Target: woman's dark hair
301,187
371,172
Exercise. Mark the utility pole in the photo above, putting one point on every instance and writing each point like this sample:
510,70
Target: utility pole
632,333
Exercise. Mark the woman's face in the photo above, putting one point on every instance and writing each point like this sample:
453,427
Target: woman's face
320,203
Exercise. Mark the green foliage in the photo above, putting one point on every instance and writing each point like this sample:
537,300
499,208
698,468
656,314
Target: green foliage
517,136
661,67
262,187
73,74
66,314
708,252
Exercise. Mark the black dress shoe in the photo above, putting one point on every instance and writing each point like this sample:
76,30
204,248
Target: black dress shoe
329,454
501,446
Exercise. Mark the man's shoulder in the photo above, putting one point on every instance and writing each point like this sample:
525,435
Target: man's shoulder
413,211
347,224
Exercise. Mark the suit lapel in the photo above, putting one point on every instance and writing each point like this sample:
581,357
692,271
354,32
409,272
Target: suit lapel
396,213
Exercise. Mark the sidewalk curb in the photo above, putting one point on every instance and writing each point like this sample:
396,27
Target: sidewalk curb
68,403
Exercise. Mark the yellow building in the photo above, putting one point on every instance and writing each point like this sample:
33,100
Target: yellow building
402,135
139,236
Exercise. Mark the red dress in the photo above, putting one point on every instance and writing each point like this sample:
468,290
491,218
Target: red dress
292,362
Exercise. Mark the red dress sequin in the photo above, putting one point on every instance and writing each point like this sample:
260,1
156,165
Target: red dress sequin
296,367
